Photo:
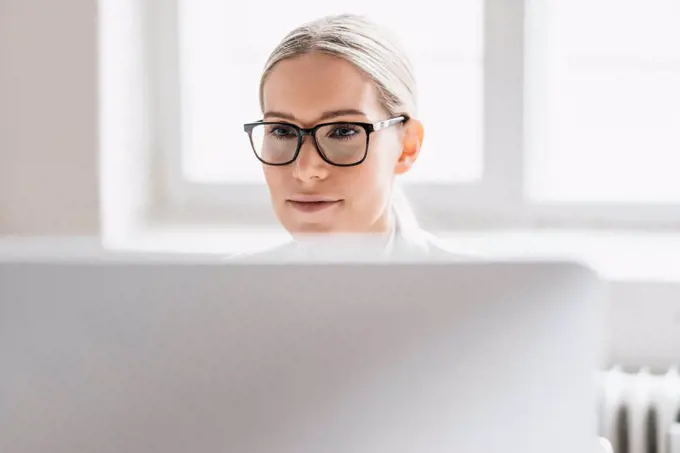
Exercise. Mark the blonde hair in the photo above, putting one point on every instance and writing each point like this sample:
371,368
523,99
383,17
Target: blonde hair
374,51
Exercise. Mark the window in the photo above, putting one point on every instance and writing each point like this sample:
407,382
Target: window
537,112
604,88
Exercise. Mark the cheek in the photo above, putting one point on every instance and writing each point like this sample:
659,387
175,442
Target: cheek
382,158
276,180
371,181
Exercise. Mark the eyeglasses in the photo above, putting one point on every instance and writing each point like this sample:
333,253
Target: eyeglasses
343,144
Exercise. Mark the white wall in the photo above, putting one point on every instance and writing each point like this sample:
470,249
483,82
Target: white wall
48,117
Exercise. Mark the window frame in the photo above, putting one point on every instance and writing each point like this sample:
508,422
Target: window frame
497,200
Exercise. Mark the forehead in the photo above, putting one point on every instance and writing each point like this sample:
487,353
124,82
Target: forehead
308,85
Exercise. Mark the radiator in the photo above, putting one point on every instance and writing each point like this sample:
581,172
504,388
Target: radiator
640,411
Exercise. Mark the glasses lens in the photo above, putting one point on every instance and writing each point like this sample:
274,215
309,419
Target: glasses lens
342,144
274,143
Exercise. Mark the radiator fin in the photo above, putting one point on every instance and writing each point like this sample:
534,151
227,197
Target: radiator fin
651,430
638,408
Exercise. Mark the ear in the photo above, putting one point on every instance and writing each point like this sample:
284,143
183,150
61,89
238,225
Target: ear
412,141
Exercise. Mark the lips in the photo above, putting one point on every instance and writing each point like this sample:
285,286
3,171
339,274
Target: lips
312,198
312,203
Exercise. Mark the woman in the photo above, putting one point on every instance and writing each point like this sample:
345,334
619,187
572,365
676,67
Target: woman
339,124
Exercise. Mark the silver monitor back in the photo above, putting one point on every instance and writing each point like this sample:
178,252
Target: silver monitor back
254,358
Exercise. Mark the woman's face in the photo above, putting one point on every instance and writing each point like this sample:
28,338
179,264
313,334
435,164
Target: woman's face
317,88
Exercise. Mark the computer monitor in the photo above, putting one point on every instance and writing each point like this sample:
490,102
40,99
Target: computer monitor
217,356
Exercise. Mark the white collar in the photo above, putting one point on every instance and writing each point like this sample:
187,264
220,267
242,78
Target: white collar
402,239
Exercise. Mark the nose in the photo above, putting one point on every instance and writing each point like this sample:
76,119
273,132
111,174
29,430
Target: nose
309,165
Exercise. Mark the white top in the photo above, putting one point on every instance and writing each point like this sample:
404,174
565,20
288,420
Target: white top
403,243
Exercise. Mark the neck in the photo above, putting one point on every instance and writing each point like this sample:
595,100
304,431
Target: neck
382,228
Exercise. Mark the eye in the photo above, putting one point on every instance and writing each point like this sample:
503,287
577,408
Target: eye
281,131
343,131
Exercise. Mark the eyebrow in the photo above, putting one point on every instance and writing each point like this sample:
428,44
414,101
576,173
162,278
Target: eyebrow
324,116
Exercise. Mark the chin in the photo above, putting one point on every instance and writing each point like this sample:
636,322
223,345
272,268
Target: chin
309,228
308,223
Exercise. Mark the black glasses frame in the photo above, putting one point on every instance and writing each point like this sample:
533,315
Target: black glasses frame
301,132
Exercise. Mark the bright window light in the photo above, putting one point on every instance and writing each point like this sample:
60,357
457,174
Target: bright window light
604,101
